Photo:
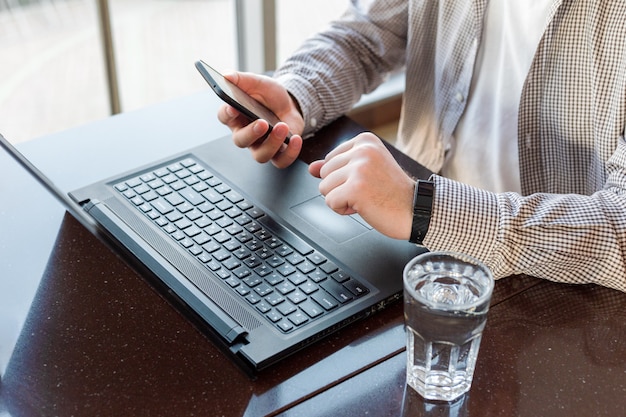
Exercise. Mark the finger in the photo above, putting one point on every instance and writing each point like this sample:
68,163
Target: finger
335,163
315,167
274,143
338,203
248,135
227,114
342,148
289,153
252,84
333,181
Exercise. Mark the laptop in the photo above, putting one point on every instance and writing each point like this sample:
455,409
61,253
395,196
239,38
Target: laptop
250,251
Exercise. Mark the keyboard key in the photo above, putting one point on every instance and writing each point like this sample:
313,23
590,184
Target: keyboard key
274,298
284,325
192,230
306,267
286,308
253,298
194,215
298,318
273,242
147,177
169,178
174,199
263,289
183,173
196,169
234,197
316,258
185,207
163,191
242,290
142,189
199,187
232,246
188,162
297,297
222,188
286,269
309,287
150,196
338,291
183,224
268,255
255,212
285,287
329,267
263,307
294,258
284,250
201,239
252,261
161,172
212,196
134,182
311,309
318,276
297,278
231,263
325,300
274,316
263,270
274,261
121,187
192,196
175,167
356,287
274,279
340,276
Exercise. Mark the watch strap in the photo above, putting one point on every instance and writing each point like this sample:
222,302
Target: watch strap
422,208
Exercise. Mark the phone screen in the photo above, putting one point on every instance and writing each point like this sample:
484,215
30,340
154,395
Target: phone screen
236,97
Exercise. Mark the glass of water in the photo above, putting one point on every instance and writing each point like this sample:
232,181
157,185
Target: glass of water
446,299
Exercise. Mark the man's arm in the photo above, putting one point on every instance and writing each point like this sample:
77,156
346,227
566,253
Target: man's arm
560,237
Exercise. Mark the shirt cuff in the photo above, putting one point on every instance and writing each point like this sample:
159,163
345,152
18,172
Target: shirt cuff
304,93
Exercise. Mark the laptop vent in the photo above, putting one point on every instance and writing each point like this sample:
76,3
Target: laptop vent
199,277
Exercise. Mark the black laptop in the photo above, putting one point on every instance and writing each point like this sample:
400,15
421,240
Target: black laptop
251,250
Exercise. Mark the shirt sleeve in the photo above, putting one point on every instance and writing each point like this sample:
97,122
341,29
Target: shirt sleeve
567,238
328,74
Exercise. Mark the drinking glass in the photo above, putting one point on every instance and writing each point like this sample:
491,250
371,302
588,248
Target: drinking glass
446,299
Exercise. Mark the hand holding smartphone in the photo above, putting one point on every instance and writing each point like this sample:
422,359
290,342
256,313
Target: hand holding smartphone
236,97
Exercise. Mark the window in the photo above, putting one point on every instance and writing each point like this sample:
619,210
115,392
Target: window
54,74
297,20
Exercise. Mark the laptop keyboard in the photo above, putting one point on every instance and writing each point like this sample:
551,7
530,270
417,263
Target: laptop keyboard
278,273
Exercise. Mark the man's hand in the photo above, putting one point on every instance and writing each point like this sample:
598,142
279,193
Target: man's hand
361,176
248,134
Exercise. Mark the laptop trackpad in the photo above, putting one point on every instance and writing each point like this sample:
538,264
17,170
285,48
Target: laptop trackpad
337,227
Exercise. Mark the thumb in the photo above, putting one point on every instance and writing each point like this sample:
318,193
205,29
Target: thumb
315,168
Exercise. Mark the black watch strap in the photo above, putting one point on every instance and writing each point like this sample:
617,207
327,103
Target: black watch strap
422,207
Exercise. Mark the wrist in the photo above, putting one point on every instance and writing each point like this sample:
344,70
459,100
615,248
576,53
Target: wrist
422,208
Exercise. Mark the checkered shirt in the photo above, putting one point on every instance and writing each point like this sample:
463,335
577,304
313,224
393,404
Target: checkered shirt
569,223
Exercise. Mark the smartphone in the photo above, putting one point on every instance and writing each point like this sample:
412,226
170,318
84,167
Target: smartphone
237,98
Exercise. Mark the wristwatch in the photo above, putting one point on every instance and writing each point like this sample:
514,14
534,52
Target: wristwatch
422,208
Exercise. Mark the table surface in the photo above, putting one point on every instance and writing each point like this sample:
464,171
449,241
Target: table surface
83,333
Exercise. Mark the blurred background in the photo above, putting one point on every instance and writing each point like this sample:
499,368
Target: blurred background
68,62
